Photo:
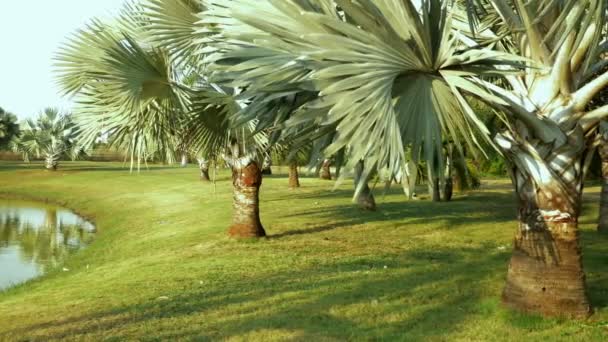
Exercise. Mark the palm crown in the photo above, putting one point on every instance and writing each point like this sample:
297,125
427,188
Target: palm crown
383,72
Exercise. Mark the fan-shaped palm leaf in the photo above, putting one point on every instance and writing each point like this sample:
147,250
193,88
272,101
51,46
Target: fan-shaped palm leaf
385,73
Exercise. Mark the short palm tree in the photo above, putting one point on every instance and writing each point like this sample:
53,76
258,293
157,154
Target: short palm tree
394,74
51,136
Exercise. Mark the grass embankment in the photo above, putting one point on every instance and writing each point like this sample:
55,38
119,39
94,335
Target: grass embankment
162,268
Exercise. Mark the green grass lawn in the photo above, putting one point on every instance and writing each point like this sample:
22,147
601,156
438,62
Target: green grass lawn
162,267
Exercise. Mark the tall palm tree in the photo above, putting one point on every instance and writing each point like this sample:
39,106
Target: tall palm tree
395,75
51,136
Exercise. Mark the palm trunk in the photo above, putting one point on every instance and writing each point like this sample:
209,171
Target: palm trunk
603,219
409,179
460,176
51,162
457,182
546,273
246,179
448,187
294,177
184,162
365,197
267,166
203,165
436,190
433,184
325,171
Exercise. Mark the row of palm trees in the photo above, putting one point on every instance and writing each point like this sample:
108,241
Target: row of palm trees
382,84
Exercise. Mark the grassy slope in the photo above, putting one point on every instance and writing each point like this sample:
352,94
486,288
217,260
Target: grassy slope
162,267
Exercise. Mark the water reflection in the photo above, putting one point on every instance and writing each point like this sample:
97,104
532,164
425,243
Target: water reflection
35,237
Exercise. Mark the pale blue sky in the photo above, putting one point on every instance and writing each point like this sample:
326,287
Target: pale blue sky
30,34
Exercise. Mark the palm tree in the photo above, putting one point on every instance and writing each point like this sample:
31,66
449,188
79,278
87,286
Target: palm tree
9,128
393,75
292,156
52,136
134,81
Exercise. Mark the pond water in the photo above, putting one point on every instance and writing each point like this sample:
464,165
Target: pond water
35,237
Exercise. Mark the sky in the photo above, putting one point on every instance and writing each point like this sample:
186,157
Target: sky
31,32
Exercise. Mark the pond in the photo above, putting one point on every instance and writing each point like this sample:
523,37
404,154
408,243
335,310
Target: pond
36,237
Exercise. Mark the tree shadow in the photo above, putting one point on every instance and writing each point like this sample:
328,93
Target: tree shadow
15,166
351,298
489,207
78,166
311,230
595,260
422,293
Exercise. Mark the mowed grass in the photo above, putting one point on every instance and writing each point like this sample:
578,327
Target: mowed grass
162,267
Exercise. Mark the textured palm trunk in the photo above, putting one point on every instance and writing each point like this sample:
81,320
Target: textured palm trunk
435,189
184,162
246,179
203,165
325,171
460,177
448,187
51,162
365,197
409,179
603,219
545,274
433,184
457,183
294,177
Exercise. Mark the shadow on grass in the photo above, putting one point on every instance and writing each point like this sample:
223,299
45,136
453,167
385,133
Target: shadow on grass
78,166
595,259
421,293
15,166
488,207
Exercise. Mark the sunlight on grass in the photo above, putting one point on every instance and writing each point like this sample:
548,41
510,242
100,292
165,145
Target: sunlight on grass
162,267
